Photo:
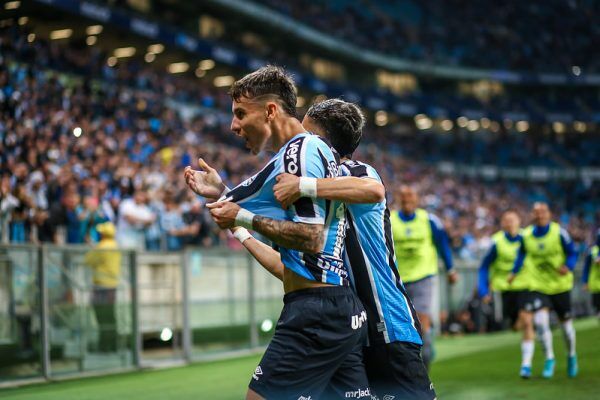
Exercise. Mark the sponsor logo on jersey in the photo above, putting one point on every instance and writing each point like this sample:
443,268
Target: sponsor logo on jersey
291,157
389,397
305,398
359,319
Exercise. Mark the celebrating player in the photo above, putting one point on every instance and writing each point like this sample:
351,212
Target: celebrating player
548,251
392,357
318,338
498,263
419,237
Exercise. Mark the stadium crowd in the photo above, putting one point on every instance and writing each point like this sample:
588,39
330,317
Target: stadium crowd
75,152
453,33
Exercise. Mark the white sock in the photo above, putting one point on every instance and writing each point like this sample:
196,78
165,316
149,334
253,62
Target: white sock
569,334
541,319
527,349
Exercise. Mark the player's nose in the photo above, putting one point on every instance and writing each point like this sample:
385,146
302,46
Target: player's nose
235,126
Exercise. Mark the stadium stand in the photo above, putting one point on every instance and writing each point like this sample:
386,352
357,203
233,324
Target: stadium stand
131,139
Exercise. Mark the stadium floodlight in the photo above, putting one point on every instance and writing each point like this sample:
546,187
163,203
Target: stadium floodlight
576,70
206,65
178,67
31,37
485,123
156,48
472,125
522,126
423,122
579,126
223,81
91,40
124,52
447,125
508,124
558,127
94,29
495,126
300,101
200,73
112,61
381,118
77,131
23,20
61,34
462,122
12,5
149,57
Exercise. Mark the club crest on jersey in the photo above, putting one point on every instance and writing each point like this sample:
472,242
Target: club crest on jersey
541,246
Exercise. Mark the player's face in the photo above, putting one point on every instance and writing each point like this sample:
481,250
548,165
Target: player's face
510,223
408,200
251,124
541,214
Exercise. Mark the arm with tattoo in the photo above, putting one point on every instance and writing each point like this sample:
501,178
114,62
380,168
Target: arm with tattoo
307,238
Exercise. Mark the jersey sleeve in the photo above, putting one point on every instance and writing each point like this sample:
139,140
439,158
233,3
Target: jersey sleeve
484,270
441,241
309,157
568,248
585,277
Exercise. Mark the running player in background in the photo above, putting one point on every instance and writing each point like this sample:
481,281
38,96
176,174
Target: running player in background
392,357
547,250
419,237
494,271
591,273
318,339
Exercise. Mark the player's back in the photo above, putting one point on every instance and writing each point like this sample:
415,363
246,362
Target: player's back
370,254
304,155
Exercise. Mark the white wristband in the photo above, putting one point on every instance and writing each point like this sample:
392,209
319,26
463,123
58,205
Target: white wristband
242,234
308,187
244,218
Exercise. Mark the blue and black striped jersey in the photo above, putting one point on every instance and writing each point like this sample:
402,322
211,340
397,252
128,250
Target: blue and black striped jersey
304,155
371,259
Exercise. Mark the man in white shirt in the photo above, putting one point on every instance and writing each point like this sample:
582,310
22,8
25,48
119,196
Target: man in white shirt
134,217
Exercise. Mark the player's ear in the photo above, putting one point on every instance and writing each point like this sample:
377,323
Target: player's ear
271,109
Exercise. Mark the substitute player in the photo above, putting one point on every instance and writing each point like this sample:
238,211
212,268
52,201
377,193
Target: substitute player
392,357
548,250
591,273
318,338
419,237
494,271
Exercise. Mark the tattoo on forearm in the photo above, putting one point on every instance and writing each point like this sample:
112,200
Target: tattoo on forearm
291,235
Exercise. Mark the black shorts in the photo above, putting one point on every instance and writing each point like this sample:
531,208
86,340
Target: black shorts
396,371
511,305
532,301
596,301
316,351
560,303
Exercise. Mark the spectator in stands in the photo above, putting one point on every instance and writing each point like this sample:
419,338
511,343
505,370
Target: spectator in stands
134,217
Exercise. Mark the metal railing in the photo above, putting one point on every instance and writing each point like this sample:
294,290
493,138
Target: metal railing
165,308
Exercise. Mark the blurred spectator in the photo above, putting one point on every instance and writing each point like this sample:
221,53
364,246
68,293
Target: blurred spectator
134,217
105,261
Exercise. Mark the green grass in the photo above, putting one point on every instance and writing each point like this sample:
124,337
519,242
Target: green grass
469,367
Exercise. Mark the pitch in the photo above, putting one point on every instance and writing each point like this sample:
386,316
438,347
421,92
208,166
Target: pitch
473,367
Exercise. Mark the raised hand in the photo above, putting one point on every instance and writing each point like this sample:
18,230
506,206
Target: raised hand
206,182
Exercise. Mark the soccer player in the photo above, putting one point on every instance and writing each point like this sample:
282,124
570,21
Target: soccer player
498,263
548,250
591,273
392,357
318,338
419,237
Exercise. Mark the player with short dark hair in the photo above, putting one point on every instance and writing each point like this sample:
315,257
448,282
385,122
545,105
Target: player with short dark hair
547,250
318,339
392,355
